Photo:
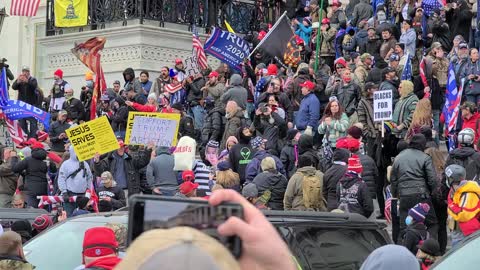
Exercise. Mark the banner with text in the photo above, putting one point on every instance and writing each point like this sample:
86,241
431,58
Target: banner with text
159,128
382,105
227,47
92,137
191,66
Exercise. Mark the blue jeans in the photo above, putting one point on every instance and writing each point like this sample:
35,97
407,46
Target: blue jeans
198,115
120,134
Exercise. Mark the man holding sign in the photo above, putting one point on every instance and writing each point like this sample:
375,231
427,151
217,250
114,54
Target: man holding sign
124,167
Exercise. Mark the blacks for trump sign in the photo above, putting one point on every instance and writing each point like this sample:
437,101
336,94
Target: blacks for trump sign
382,105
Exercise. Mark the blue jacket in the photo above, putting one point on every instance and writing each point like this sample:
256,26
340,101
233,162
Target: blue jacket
304,32
409,38
253,168
308,113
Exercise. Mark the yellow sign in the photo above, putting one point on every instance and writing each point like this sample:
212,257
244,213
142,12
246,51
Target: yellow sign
92,137
71,13
159,128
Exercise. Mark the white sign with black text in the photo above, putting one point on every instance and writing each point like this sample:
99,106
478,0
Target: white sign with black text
382,105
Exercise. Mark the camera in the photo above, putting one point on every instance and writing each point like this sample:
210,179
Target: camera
264,109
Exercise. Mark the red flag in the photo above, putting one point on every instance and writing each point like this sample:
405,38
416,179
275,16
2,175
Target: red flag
89,54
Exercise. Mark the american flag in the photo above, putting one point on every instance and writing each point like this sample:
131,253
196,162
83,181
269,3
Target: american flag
453,97
27,8
89,54
198,51
423,76
16,132
407,70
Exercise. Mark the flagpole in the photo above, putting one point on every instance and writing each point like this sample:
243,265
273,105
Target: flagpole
268,34
319,33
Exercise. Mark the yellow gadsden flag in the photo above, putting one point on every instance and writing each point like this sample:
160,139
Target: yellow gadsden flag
71,13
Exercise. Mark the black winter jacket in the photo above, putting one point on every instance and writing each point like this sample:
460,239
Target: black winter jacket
57,128
27,91
468,158
305,148
333,175
35,171
353,191
214,125
413,235
369,174
120,115
194,91
412,174
276,183
271,131
288,158
132,167
75,109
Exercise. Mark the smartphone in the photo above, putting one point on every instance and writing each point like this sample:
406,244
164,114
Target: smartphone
149,212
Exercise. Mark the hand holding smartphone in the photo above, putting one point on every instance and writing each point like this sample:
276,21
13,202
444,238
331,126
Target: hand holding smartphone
155,212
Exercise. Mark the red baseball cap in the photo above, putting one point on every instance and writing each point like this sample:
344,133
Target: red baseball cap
188,187
188,175
308,84
121,143
99,242
178,61
213,74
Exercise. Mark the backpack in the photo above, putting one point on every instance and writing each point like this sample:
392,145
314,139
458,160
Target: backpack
312,192
464,207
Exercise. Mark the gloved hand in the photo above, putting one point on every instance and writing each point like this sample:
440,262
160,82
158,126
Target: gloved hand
308,131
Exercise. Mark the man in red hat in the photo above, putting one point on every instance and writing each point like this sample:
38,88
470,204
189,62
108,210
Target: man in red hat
189,189
180,69
58,91
100,249
308,114
214,88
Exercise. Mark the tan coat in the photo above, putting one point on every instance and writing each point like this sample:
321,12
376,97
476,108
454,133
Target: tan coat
293,199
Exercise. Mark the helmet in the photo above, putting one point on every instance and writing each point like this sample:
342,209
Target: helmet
455,173
466,136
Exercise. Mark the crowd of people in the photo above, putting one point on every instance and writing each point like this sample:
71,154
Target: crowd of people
286,138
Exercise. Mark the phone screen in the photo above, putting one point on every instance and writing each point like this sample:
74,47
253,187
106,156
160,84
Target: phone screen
155,212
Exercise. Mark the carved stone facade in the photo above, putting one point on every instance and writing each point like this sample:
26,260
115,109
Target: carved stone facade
141,47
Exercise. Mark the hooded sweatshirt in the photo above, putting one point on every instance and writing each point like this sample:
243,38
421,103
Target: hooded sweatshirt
72,177
160,171
468,158
241,154
391,257
352,192
35,168
236,92
289,153
333,175
305,148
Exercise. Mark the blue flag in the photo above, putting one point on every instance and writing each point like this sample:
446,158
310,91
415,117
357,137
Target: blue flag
228,48
3,88
453,97
407,70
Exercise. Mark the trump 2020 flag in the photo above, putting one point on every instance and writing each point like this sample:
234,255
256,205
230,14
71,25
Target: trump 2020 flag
71,13
16,109
227,47
281,43
407,70
453,97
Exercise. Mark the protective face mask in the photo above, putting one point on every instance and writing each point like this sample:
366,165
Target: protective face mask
347,80
408,220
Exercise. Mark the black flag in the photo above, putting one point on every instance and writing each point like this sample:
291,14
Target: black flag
281,43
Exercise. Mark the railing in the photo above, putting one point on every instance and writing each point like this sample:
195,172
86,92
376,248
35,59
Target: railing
242,15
